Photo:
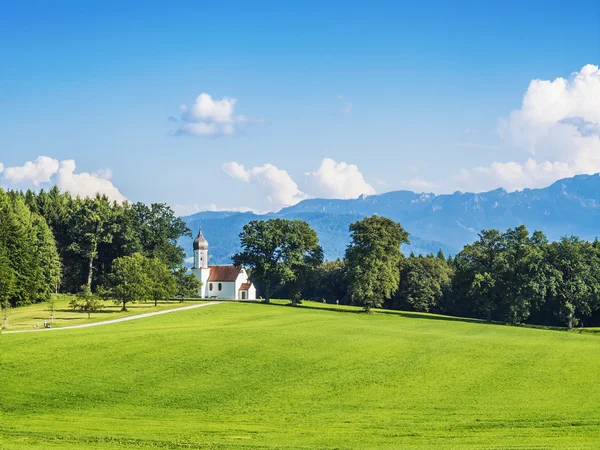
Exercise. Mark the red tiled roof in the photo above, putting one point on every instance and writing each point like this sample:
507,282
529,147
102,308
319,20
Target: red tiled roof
224,273
245,286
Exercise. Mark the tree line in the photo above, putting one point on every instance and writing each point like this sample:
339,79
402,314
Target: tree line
512,276
52,242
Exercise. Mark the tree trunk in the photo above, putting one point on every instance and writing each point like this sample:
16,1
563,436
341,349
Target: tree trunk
89,315
155,302
91,265
267,293
124,308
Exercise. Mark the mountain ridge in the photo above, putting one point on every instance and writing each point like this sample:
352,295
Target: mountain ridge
445,221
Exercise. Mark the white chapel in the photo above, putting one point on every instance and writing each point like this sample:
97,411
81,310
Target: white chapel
226,282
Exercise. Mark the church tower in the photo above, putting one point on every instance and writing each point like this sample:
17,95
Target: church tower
200,252
201,269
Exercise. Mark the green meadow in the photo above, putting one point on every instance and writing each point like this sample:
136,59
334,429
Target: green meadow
248,375
26,317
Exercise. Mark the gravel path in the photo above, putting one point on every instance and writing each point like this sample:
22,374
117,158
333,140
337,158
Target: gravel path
122,319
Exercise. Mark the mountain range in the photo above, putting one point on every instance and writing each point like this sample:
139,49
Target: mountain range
568,207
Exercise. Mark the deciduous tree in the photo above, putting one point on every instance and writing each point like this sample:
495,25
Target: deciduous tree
278,251
372,260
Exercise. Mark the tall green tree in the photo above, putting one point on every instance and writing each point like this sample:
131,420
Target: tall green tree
278,251
47,262
18,234
425,283
372,260
7,277
575,288
159,229
161,282
501,276
128,281
91,224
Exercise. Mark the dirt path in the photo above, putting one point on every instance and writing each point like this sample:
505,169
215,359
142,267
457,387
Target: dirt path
122,319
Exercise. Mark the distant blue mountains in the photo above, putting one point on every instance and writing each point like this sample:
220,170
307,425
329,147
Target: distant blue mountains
447,222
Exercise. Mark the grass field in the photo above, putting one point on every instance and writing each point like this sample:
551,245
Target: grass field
244,375
26,317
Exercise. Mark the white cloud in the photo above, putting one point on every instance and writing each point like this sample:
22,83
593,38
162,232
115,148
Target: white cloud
236,170
86,184
48,170
279,187
339,180
558,125
34,172
209,117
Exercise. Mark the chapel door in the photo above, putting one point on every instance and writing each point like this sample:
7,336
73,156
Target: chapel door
243,295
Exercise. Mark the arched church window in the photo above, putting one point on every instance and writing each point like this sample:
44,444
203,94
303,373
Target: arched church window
220,286
210,286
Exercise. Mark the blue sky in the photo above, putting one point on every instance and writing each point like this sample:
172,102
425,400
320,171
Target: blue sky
427,96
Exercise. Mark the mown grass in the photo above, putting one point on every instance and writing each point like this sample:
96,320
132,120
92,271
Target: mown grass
243,375
26,317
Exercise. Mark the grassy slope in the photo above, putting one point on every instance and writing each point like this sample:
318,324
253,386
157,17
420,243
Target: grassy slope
256,376
26,317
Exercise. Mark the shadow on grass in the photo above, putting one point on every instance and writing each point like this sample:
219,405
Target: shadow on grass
407,314
427,316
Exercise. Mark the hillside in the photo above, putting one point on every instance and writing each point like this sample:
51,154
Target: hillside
569,206
258,376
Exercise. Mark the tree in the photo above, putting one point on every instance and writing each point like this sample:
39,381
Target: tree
372,260
575,285
424,284
188,285
278,251
45,255
501,276
91,225
128,281
161,282
327,281
86,301
159,229
7,277
17,234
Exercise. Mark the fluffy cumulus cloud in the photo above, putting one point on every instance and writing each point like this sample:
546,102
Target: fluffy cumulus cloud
558,125
339,180
34,172
280,189
330,180
208,117
86,184
49,170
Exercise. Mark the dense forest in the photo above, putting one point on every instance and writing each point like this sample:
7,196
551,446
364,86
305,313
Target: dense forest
53,242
